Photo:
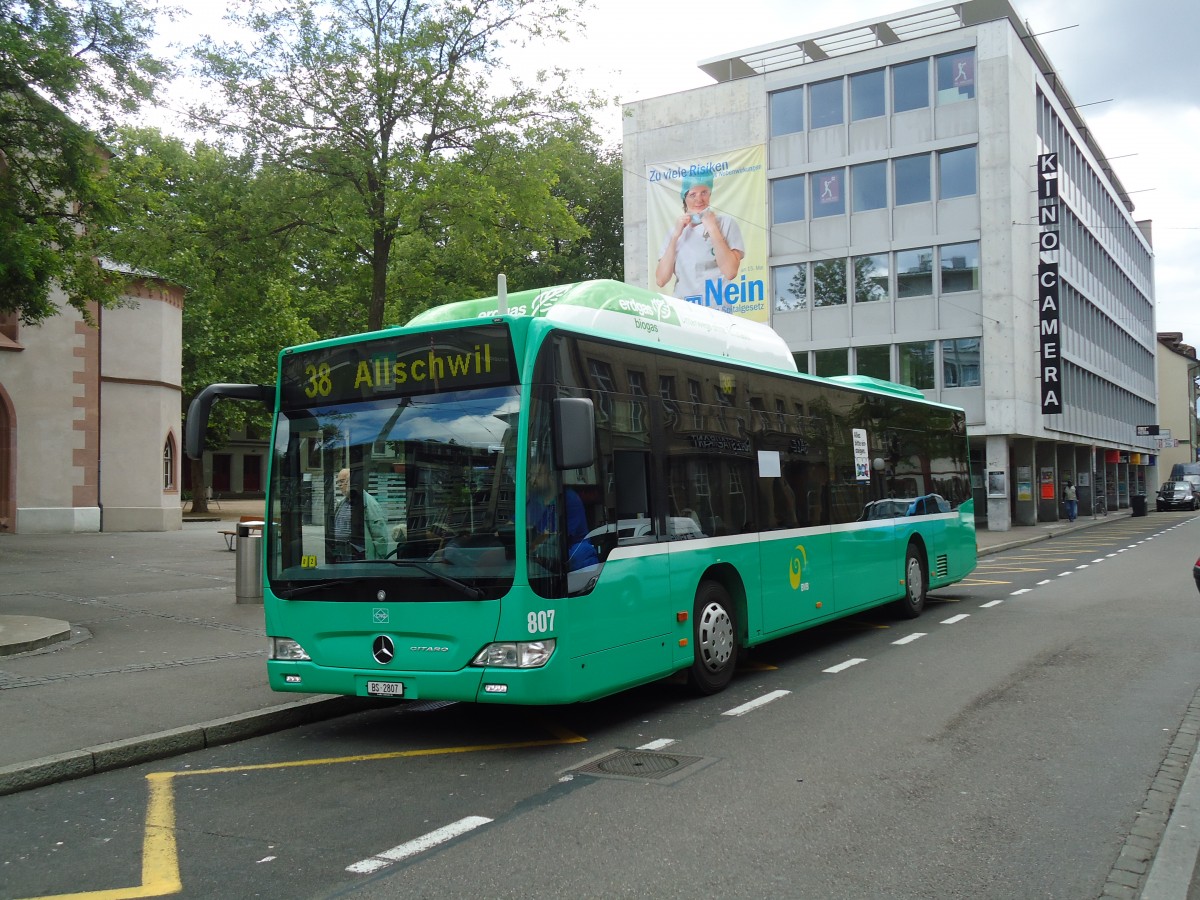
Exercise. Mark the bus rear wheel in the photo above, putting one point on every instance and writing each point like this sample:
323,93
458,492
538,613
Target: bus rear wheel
714,636
913,602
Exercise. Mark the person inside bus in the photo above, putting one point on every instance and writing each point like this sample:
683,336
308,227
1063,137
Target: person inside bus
542,519
374,541
703,245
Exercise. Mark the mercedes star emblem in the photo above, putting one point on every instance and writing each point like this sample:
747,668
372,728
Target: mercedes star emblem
383,650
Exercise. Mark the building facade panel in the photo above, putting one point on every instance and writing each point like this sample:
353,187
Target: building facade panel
89,413
907,230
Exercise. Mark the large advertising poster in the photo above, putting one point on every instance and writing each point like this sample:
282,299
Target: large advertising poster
706,221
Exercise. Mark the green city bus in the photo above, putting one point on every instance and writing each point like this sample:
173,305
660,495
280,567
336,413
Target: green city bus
554,495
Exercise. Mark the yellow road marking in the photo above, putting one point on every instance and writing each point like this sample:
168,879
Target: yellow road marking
1000,570
371,757
160,859
160,855
757,667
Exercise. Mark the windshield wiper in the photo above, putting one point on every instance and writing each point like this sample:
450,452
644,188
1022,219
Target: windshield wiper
289,593
473,592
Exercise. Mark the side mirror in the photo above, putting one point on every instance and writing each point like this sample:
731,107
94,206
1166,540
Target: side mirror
574,433
197,417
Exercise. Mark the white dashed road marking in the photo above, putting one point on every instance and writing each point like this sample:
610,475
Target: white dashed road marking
418,845
841,667
755,704
658,745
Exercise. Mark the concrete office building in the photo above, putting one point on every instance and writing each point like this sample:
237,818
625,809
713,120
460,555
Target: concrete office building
937,213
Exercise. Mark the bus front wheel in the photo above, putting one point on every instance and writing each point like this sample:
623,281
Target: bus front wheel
714,635
913,601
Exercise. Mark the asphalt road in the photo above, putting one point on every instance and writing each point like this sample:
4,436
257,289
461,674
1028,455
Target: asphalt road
1001,746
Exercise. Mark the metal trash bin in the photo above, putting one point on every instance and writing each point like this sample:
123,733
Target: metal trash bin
248,580
1137,503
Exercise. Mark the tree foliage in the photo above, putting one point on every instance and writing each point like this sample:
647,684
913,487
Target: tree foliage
225,228
435,172
590,185
62,60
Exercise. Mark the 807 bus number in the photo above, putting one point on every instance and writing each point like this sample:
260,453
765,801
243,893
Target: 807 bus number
541,621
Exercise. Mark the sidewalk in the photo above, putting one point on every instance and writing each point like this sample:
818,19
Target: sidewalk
160,659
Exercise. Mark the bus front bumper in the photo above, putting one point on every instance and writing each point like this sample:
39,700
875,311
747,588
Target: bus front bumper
469,685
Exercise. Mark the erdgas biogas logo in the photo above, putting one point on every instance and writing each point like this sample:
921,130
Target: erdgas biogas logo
544,301
656,309
796,569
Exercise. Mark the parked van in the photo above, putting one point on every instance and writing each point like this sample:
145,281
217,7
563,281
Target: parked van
1180,469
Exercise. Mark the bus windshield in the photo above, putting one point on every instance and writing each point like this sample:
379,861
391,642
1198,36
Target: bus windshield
401,497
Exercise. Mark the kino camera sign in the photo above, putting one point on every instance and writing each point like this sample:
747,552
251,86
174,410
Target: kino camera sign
1049,341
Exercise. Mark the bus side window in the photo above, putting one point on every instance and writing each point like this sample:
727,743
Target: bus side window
631,477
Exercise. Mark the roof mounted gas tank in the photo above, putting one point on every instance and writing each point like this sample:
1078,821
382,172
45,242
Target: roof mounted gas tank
621,310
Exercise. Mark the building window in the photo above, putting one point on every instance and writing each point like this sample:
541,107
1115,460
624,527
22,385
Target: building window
874,362
830,362
956,173
916,365
602,377
961,362
868,183
787,112
168,468
666,390
914,273
910,86
956,77
866,95
9,326
825,103
801,359
960,267
870,278
637,406
910,175
787,199
828,198
829,283
790,284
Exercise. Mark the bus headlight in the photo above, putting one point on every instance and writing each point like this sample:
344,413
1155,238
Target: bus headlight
516,654
286,649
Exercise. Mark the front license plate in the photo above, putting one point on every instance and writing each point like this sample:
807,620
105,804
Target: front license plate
385,688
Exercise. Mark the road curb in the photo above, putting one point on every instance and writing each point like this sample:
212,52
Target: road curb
147,748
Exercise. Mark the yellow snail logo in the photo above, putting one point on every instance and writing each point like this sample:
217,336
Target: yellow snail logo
796,569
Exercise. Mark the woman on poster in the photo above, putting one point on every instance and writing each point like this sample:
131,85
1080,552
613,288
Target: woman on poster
703,244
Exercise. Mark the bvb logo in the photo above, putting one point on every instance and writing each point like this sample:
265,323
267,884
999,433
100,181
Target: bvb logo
796,569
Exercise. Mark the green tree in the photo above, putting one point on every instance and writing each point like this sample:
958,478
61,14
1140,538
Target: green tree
226,228
437,173
590,185
62,60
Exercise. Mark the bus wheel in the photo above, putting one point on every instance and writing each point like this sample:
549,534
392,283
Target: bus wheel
714,633
913,601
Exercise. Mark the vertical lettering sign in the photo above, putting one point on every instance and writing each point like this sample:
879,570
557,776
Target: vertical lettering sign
1049,340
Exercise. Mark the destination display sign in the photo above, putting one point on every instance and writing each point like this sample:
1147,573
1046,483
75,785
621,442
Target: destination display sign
402,365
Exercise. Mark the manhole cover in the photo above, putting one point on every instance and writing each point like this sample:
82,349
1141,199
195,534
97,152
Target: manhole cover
640,765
